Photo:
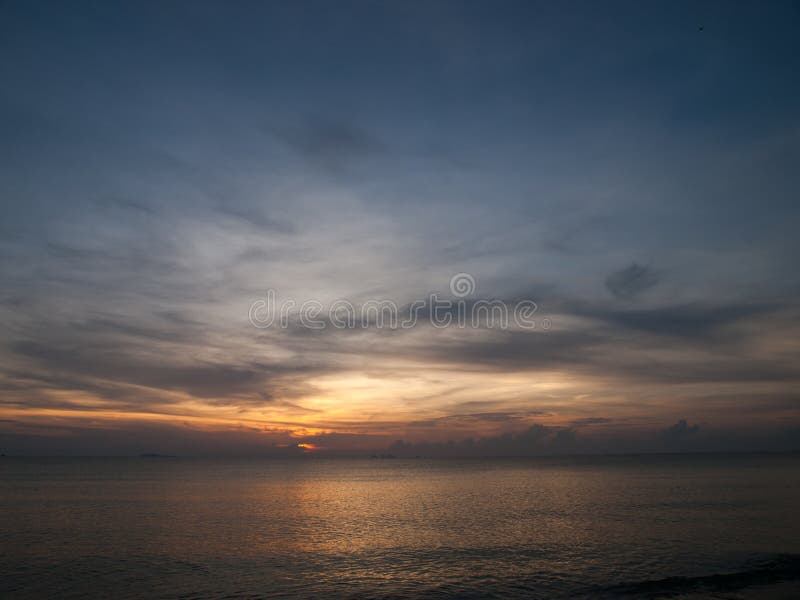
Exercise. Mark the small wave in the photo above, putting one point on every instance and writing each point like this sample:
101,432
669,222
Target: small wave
779,569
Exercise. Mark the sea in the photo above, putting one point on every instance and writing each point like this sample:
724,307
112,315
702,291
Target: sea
649,526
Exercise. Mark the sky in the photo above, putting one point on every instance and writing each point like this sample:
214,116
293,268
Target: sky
631,168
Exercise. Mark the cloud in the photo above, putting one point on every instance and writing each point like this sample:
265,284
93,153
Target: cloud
680,431
473,420
226,383
551,440
590,421
330,144
683,320
632,281
84,438
256,218
537,439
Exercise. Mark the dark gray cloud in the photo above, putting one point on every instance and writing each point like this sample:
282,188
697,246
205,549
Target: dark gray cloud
632,281
543,440
202,380
721,334
144,438
225,383
590,421
330,144
535,440
695,320
680,431
471,419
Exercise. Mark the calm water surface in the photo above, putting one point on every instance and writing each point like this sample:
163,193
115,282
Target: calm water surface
532,528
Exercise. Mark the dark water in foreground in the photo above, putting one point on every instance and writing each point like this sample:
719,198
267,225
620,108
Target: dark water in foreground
528,528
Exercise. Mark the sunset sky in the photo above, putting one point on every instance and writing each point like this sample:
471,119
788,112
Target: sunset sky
632,169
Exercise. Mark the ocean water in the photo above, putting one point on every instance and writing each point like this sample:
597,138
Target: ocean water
592,527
